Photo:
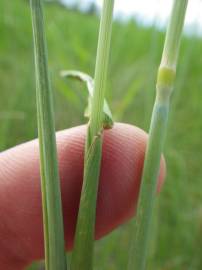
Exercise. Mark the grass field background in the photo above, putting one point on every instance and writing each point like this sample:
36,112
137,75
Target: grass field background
72,38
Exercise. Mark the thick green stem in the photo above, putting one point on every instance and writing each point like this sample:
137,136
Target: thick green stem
51,198
82,258
165,81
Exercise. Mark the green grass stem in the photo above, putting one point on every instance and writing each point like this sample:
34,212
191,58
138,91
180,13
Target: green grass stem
165,81
51,198
82,258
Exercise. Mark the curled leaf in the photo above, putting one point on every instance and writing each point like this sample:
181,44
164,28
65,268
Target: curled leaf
83,77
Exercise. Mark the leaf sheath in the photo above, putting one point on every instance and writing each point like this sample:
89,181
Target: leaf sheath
51,197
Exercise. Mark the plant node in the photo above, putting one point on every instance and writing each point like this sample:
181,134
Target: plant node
165,82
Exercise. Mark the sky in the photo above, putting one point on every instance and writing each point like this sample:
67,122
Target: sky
150,11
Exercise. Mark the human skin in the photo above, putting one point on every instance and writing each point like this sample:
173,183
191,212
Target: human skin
21,227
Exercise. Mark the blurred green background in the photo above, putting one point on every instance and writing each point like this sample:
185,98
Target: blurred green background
136,51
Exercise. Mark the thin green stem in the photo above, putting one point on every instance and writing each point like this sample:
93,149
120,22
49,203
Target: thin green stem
139,247
173,37
101,67
165,81
51,197
82,258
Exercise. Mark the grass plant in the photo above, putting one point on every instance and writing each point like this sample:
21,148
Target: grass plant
55,257
82,257
164,87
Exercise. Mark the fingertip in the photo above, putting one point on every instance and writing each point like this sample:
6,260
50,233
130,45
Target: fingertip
121,169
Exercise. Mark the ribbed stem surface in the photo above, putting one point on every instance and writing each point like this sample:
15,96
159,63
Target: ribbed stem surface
51,198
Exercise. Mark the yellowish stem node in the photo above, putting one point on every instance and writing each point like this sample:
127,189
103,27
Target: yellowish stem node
165,82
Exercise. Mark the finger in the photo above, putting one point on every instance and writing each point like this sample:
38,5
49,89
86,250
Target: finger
20,198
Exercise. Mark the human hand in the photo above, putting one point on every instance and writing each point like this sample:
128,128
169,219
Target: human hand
21,227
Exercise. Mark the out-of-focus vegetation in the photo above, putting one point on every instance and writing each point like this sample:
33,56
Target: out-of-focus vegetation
72,39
